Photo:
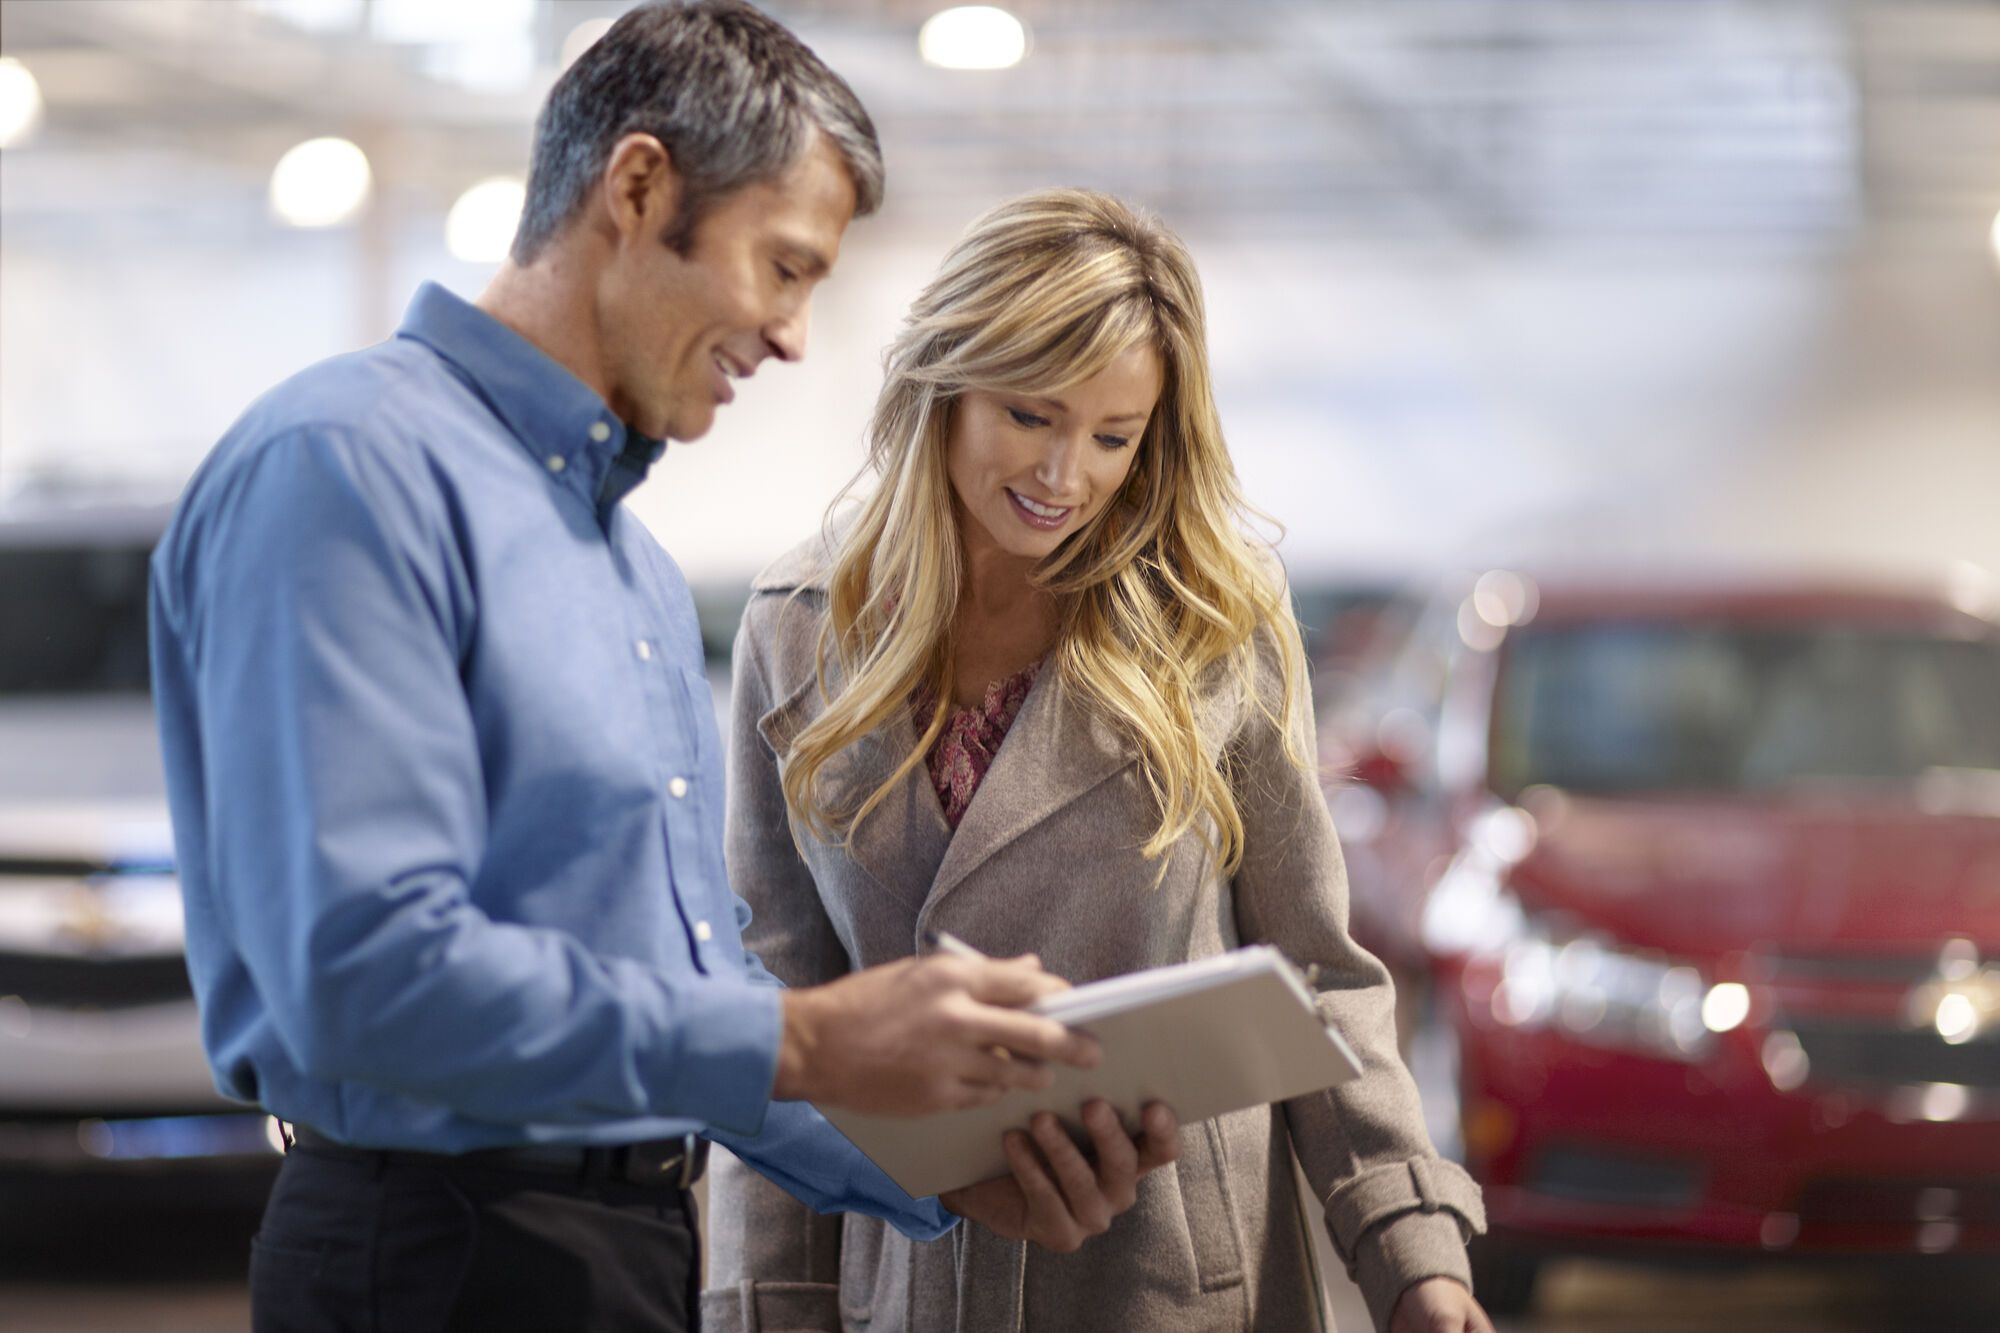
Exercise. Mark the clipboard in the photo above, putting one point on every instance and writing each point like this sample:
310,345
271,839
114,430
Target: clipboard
1208,1037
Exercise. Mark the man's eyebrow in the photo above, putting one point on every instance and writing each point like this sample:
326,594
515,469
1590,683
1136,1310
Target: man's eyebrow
810,262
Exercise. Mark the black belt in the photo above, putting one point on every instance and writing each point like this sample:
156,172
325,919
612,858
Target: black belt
655,1164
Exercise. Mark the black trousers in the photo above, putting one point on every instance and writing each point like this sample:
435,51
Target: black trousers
356,1242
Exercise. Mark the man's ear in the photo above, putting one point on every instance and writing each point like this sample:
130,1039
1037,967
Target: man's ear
640,188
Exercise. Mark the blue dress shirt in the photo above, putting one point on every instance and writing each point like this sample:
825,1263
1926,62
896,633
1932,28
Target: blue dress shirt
446,786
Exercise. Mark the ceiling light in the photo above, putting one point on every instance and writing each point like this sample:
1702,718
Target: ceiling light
1480,634
20,102
1503,598
973,37
320,183
480,227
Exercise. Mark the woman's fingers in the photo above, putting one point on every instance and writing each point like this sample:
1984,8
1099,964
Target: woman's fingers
1049,1223
1088,1207
1117,1156
1068,1197
1161,1143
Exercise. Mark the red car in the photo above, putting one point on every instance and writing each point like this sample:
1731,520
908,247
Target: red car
1706,885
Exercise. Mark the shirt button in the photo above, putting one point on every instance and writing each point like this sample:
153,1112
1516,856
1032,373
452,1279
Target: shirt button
557,462
702,932
677,788
644,649
600,431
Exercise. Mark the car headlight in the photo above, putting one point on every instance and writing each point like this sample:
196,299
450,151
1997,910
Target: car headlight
1601,995
1573,981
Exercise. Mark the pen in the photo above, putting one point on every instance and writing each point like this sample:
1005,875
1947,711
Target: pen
946,942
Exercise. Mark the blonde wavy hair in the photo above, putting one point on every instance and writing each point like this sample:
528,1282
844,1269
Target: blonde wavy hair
1161,589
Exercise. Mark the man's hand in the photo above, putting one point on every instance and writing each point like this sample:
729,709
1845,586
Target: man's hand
1062,1212
923,1035
1438,1305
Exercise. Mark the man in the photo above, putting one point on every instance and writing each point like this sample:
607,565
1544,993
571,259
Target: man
445,781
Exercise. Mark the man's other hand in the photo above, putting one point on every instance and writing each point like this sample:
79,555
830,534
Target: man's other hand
1058,1199
1438,1305
928,1034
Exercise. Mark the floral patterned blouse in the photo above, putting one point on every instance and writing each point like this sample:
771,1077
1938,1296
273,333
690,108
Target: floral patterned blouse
971,737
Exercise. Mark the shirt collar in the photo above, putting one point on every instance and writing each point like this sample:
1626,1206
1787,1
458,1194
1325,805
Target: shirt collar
555,416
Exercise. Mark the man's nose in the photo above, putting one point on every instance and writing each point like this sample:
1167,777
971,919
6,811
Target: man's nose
787,334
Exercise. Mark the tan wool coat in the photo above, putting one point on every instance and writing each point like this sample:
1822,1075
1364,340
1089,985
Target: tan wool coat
1047,860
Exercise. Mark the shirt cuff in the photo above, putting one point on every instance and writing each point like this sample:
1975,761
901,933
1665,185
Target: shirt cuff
723,1061
927,1220
922,1220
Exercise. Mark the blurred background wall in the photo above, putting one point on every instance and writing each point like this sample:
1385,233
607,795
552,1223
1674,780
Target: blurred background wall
1547,281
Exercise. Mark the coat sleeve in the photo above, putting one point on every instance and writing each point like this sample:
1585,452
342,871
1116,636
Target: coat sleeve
1397,1212
774,1262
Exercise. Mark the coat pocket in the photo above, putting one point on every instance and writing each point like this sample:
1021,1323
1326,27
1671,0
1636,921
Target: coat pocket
1214,1230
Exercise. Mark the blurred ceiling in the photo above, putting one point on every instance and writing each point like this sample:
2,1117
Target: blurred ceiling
1756,123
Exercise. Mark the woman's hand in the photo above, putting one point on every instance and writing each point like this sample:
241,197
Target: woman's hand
1081,1200
1438,1305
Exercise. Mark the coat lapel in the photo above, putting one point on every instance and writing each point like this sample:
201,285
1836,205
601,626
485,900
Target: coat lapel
1055,752
901,843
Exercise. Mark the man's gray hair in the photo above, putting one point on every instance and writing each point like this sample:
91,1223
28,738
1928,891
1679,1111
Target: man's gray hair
730,92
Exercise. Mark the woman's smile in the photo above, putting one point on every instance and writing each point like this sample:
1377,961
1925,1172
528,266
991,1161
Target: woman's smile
1046,517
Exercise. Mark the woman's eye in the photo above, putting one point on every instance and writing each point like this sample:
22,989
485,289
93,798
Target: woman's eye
1114,441
1027,419
785,275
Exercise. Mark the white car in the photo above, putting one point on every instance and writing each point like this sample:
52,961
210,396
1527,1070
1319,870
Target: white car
101,1067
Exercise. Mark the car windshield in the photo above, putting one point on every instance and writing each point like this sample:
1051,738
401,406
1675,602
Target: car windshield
1645,707
72,620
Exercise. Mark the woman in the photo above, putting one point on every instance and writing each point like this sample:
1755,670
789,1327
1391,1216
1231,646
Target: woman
1055,556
